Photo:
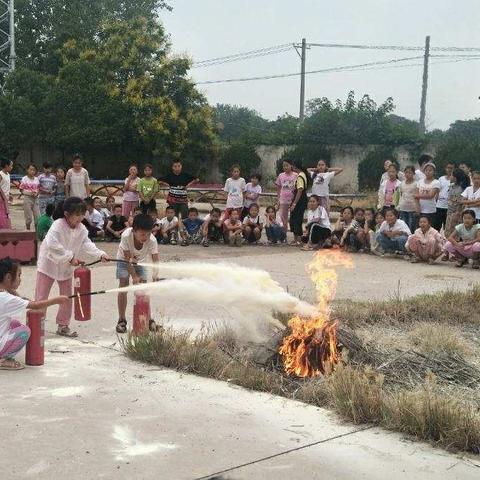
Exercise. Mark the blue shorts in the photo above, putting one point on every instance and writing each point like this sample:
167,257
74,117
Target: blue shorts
122,271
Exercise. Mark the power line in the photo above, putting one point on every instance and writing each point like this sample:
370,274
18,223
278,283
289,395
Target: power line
394,47
332,69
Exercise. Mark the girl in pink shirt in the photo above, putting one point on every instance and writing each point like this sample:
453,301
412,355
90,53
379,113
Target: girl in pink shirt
65,246
131,199
426,244
285,188
29,188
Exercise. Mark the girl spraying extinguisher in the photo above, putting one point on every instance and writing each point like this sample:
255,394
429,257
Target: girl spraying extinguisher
65,246
13,334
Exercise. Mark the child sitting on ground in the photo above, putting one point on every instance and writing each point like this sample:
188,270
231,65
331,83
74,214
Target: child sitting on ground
136,211
212,228
317,232
65,246
107,210
252,193
464,242
343,224
116,224
355,238
375,247
191,228
153,214
252,227
137,245
393,233
274,227
45,222
14,335
369,227
169,227
233,229
426,244
93,220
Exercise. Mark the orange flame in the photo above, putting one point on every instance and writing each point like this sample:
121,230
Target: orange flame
311,348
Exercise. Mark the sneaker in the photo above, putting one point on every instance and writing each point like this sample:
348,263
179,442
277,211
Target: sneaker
184,243
173,242
205,243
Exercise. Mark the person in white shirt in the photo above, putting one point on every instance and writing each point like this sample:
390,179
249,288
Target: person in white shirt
5,197
77,180
253,189
318,230
442,200
422,161
137,245
169,226
65,246
384,177
93,220
428,190
321,178
393,233
471,196
252,225
235,188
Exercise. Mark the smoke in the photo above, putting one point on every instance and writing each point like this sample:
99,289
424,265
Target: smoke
250,296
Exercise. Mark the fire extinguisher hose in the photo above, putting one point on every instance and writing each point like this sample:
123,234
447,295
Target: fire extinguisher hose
117,260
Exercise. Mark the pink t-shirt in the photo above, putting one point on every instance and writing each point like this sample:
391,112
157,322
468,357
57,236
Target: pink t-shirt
286,182
390,187
130,196
29,186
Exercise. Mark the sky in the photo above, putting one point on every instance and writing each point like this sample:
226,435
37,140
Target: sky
205,29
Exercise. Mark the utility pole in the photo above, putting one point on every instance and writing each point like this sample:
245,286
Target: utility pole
423,102
13,57
302,80
7,39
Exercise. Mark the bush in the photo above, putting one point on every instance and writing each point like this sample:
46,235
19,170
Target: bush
241,154
371,167
307,154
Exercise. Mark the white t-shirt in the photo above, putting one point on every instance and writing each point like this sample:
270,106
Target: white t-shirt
127,244
320,216
248,219
166,223
398,226
5,183
428,205
235,189
419,175
470,194
442,201
11,307
321,183
95,218
249,188
77,182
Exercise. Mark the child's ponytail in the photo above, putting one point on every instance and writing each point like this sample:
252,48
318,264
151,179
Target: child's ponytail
72,205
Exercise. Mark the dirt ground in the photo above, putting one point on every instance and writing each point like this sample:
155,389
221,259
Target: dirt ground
89,412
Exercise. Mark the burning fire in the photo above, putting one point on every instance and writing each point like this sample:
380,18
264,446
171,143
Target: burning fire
311,348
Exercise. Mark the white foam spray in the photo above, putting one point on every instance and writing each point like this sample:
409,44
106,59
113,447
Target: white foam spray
249,295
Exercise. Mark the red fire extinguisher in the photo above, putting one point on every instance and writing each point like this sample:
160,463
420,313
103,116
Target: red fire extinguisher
82,282
34,351
141,313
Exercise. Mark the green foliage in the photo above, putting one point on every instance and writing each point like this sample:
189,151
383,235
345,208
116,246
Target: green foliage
461,144
370,168
241,154
308,155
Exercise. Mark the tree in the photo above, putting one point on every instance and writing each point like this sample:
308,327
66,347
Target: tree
239,154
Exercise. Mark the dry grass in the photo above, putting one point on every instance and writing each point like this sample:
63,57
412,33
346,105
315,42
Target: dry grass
438,409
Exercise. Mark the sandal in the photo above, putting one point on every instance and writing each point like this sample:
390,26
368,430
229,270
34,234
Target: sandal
10,364
64,331
121,326
307,248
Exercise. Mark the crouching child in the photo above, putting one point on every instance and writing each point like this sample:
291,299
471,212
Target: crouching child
191,228
233,229
137,245
252,227
318,231
212,228
426,244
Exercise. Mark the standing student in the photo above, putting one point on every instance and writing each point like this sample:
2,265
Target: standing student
45,222
464,242
317,231
425,244
388,188
137,245
65,246
322,175
253,190
77,180
178,183
460,182
467,169
393,233
285,184
47,183
428,189
5,197
235,187
409,205
131,198
60,189
471,196
14,335
299,203
442,200
148,189
422,161
29,187
274,227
